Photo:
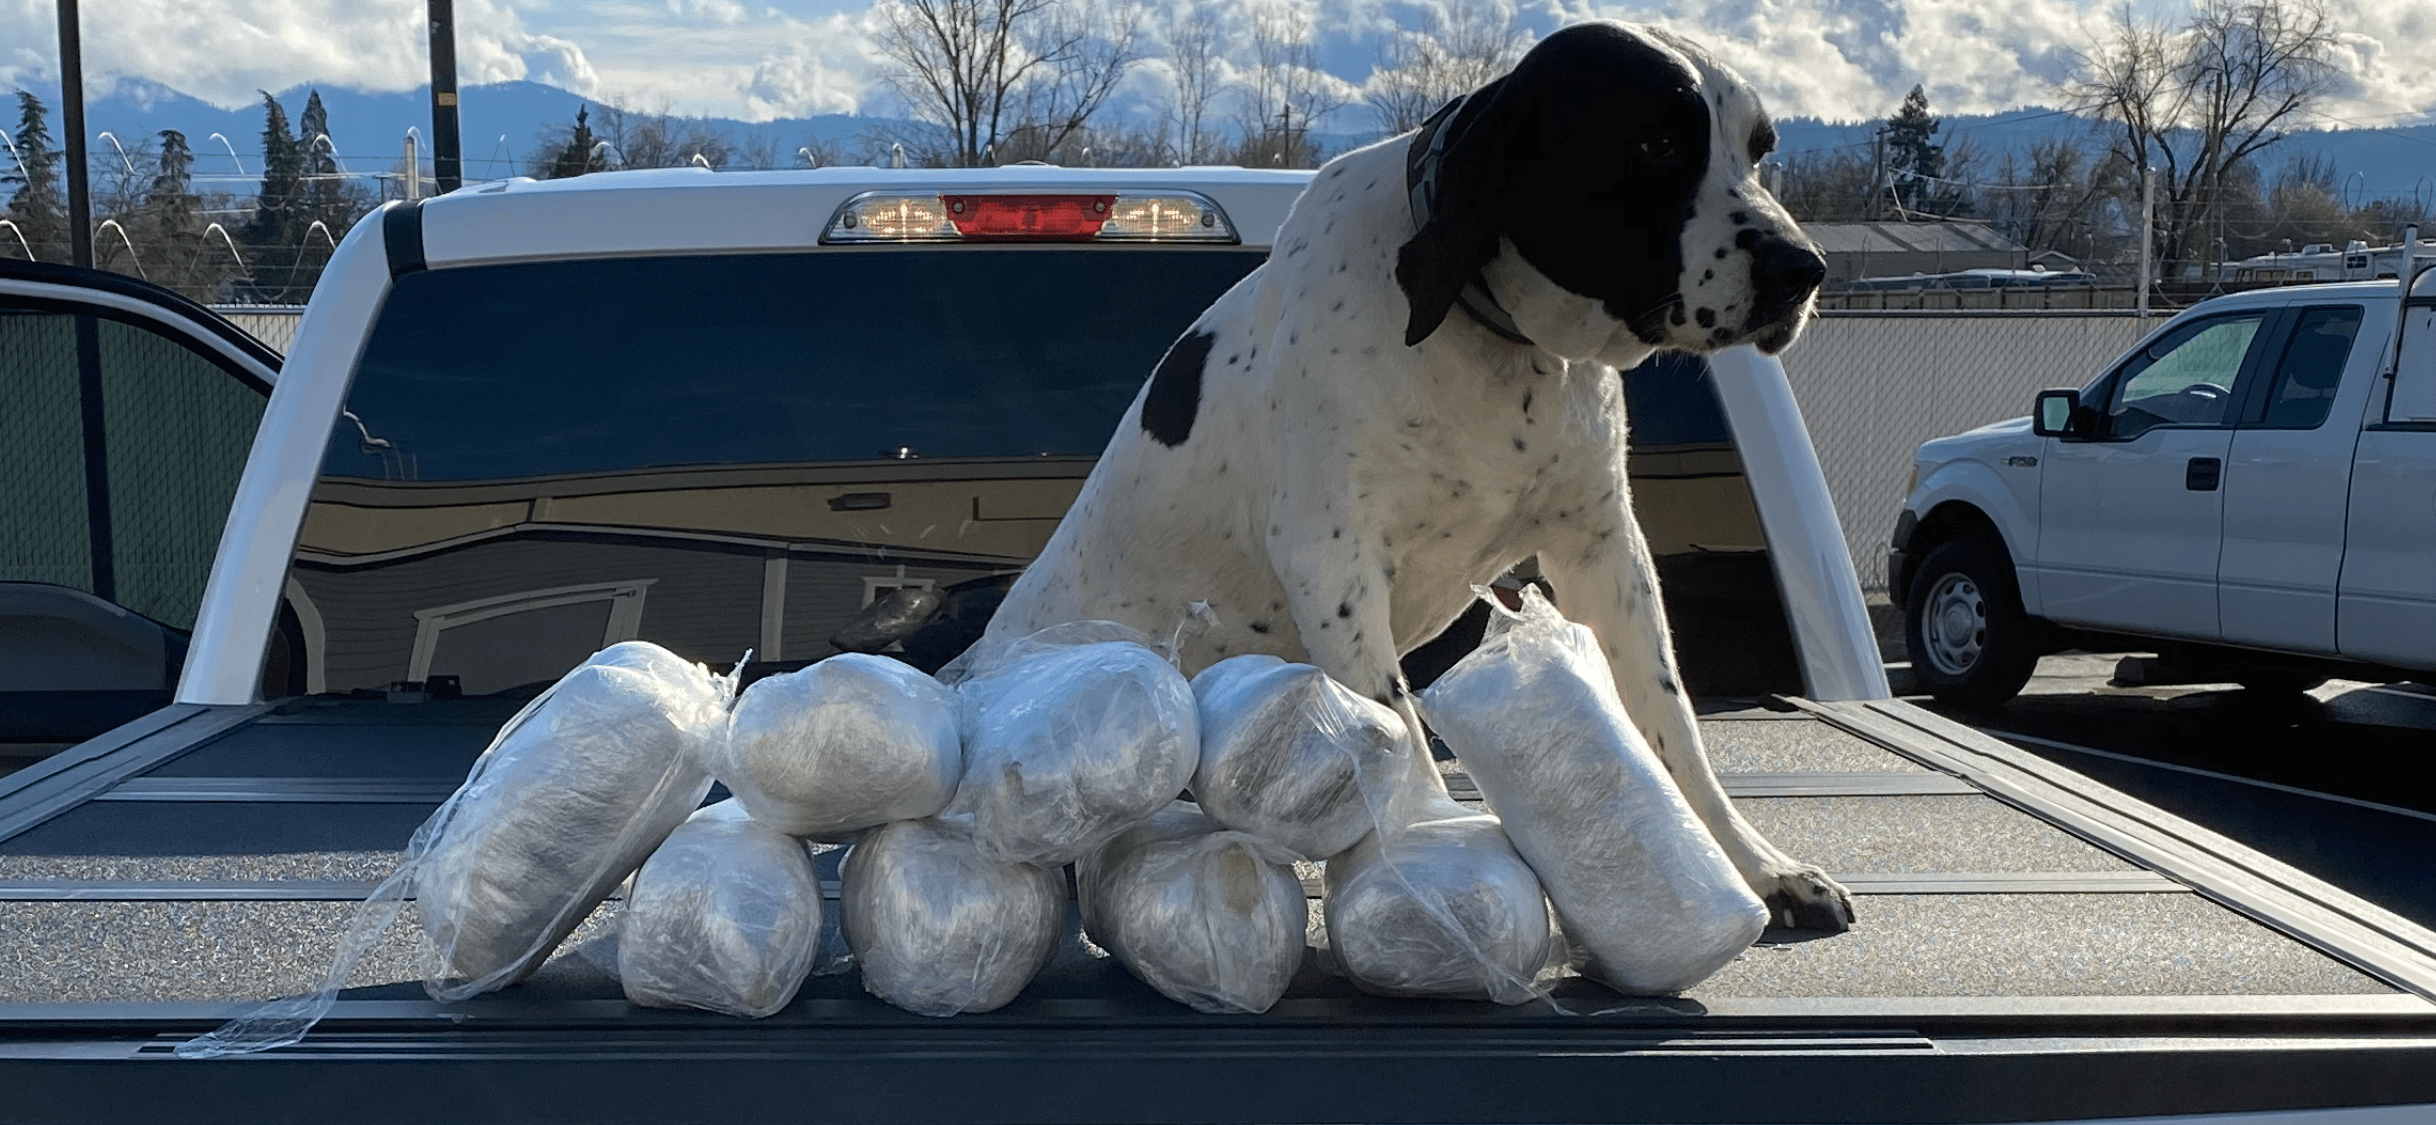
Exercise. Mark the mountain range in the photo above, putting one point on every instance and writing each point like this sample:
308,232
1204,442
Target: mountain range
500,124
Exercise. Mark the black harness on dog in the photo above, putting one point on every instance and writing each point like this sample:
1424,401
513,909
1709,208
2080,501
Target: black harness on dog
1421,161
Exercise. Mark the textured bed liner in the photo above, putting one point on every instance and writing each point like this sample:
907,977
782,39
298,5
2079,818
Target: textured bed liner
238,891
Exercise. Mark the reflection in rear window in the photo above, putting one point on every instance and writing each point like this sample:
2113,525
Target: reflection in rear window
503,372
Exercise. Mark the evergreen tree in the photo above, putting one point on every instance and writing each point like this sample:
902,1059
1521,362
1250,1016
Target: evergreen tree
279,206
1913,160
38,203
577,157
171,201
324,192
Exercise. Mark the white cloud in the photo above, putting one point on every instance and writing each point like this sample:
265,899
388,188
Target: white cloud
1843,59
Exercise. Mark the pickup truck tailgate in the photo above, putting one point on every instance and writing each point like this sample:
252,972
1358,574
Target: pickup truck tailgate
2031,945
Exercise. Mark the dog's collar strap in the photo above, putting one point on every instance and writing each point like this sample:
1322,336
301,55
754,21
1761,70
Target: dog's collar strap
1421,163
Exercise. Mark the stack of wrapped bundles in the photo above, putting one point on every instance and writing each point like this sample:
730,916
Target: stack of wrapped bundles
1071,746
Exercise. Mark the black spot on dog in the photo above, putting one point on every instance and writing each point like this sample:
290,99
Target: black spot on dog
1740,218
1527,390
1336,533
1721,252
1669,687
1763,141
1520,445
1344,609
1708,275
1175,390
1261,627
1676,317
1706,317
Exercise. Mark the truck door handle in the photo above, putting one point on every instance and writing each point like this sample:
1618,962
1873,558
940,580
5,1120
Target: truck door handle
2203,474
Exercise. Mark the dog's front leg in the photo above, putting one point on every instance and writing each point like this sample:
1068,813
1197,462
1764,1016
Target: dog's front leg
1336,577
1606,580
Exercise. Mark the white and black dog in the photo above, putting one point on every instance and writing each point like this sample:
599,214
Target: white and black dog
1332,461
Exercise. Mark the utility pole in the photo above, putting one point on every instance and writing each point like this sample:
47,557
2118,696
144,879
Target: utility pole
1877,170
447,163
2148,221
72,122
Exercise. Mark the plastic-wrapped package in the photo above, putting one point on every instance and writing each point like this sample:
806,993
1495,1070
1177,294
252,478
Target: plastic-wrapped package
1637,880
850,743
575,794
939,928
1211,918
1068,740
571,796
1284,751
725,916
1436,902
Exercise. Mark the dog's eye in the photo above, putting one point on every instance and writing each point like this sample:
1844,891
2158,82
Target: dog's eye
1662,147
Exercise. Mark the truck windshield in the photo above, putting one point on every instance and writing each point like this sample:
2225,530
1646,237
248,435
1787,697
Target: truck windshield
799,454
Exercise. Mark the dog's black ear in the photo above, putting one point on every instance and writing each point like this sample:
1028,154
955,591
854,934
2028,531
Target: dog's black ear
1469,191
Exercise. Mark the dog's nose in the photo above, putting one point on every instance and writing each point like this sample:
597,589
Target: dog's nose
1785,271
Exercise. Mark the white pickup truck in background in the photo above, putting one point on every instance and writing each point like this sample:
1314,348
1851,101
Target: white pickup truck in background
2250,492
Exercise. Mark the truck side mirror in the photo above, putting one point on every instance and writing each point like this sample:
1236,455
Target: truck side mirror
2055,412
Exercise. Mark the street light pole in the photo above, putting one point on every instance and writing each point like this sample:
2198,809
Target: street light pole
72,122
447,156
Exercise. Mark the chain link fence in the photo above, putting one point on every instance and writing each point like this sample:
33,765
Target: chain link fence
1872,388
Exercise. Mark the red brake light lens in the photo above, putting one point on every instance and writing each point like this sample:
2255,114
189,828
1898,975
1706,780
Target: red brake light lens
1124,216
1028,218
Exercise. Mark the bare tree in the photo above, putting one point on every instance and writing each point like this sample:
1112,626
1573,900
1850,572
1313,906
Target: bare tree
2198,102
2051,197
958,63
1469,43
1084,48
1192,59
1287,90
652,138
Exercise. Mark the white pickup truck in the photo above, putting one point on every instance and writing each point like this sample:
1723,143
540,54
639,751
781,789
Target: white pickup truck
2250,492
808,411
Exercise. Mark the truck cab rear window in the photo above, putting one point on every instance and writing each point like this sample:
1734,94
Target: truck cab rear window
798,454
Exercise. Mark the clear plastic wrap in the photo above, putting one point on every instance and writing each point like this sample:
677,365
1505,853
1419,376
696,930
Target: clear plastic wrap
573,793
1285,751
1637,880
1440,906
566,805
725,916
850,743
938,928
1211,918
1069,739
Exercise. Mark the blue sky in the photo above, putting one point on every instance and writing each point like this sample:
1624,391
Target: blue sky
1839,59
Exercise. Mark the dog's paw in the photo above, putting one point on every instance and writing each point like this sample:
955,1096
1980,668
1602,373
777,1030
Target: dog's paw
1804,898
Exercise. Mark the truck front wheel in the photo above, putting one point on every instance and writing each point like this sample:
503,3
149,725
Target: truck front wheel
1970,642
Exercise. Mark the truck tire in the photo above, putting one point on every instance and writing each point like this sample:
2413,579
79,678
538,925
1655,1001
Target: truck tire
1971,645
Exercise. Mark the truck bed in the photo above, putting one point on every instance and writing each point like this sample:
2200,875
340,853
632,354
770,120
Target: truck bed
2030,945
